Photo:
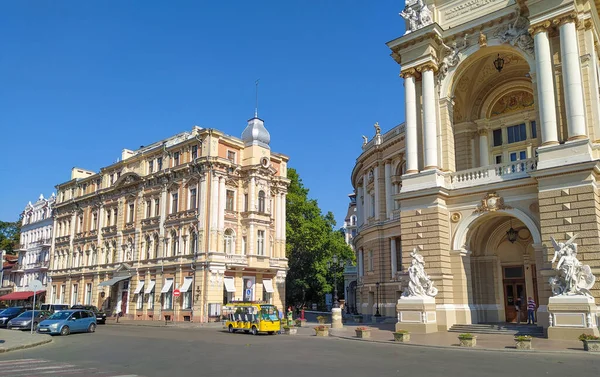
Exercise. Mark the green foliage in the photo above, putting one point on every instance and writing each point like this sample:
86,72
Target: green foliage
401,332
583,337
9,236
311,242
466,336
523,338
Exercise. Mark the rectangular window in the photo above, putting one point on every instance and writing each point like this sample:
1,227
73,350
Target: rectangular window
371,261
148,208
168,295
116,216
229,200
187,295
94,221
108,222
140,297
516,133
174,202
231,156
175,158
74,295
497,137
63,289
533,130
193,198
150,167
159,163
245,202
398,254
151,296
498,159
88,294
517,156
157,207
244,245
260,243
131,212
194,152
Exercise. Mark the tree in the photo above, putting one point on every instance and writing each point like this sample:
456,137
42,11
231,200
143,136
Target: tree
311,243
9,236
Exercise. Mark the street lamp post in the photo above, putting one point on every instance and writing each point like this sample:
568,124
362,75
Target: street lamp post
334,265
377,314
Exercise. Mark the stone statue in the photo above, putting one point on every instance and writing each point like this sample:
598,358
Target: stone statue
572,277
411,17
418,18
365,140
419,285
516,34
452,55
482,40
377,129
425,17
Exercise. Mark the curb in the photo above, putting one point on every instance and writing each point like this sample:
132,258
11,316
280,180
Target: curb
464,349
179,326
25,346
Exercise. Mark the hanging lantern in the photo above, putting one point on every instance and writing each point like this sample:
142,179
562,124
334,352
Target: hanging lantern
511,235
499,63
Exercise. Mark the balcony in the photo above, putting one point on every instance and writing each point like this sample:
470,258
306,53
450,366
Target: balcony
236,260
492,174
109,230
63,239
150,221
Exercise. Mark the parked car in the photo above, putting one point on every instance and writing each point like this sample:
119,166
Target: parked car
100,315
53,308
68,321
23,320
10,313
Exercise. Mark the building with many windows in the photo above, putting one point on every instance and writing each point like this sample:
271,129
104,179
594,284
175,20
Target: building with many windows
499,156
350,276
175,229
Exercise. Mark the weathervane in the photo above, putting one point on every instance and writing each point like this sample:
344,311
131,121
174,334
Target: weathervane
256,99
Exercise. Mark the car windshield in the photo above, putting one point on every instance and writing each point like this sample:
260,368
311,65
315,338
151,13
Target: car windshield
11,311
60,315
269,312
28,314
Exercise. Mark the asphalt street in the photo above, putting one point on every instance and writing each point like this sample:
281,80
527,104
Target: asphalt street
172,352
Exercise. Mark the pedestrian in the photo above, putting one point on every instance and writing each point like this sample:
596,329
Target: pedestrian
530,311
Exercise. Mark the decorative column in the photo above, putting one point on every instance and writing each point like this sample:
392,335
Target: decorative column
283,215
571,72
361,271
251,195
545,83
412,158
389,205
366,201
222,198
429,117
393,259
359,206
376,189
202,202
484,154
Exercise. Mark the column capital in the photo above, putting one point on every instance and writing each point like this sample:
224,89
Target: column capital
540,27
409,72
428,66
566,19
482,132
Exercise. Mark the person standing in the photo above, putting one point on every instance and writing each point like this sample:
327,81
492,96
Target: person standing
530,311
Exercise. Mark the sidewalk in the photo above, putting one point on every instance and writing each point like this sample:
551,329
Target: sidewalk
383,333
131,322
11,340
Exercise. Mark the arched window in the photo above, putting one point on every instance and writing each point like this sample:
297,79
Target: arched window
229,241
156,246
194,243
174,243
261,201
148,247
353,220
113,256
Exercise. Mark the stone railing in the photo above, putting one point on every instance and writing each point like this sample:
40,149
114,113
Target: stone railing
151,221
63,239
129,226
236,259
109,229
274,262
492,173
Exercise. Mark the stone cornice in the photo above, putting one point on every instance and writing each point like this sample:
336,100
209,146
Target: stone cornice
565,19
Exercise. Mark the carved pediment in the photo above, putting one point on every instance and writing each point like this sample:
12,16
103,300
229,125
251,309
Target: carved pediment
128,179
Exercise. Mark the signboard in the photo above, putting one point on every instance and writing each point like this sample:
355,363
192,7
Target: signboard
176,292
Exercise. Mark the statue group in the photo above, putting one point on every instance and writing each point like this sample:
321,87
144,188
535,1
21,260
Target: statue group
572,277
416,18
419,284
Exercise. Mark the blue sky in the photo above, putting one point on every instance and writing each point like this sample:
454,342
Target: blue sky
82,80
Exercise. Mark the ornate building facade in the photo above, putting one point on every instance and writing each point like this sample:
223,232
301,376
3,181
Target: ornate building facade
175,229
499,153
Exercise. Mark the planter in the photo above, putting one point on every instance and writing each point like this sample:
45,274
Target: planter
321,321
523,344
290,331
357,318
401,337
591,345
363,334
301,323
471,342
322,331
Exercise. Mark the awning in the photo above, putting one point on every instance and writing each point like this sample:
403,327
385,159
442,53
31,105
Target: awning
19,295
229,285
150,287
167,287
187,283
268,284
138,289
113,281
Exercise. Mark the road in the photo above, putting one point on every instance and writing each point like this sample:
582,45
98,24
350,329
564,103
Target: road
172,352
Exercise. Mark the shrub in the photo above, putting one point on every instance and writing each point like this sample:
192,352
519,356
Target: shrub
362,328
320,318
401,332
466,336
320,328
522,338
286,327
583,337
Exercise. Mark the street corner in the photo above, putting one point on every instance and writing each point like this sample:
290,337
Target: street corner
16,340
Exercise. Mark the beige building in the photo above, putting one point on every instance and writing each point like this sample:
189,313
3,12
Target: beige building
201,214
499,153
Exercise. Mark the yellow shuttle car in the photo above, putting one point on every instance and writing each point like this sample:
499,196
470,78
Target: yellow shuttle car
252,317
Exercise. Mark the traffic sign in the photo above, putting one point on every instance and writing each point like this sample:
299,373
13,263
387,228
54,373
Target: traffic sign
176,293
35,285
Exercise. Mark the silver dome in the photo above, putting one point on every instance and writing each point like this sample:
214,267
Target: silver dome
256,133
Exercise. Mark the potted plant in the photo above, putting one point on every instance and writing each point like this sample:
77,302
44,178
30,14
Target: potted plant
363,332
523,342
300,322
322,330
401,336
591,343
358,318
287,330
467,340
321,319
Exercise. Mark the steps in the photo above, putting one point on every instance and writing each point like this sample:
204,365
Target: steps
500,329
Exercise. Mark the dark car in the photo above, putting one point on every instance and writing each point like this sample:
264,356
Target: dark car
23,320
10,313
100,315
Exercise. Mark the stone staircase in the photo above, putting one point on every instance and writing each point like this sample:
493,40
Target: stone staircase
500,329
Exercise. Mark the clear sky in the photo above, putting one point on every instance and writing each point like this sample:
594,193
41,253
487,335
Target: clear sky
81,80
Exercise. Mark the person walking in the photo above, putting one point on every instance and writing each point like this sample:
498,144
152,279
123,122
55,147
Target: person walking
530,311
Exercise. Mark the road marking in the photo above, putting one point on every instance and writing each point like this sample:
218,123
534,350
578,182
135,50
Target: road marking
39,367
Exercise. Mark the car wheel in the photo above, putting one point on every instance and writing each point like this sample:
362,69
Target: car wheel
65,330
231,329
254,330
35,325
92,327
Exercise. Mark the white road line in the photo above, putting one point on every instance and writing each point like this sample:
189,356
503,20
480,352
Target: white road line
18,360
125,375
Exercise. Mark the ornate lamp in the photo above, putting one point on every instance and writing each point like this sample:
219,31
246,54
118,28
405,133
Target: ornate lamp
499,63
511,235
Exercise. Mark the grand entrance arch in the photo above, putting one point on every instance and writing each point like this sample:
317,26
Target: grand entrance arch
502,268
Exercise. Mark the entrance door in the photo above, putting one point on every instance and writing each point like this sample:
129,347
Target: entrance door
124,302
515,302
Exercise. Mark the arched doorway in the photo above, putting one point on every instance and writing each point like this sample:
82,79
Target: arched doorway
502,268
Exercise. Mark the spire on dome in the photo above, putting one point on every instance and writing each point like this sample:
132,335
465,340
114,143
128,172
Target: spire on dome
255,132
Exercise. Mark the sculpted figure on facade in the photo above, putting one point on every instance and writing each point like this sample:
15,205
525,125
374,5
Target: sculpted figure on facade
452,55
420,284
516,34
572,277
416,19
